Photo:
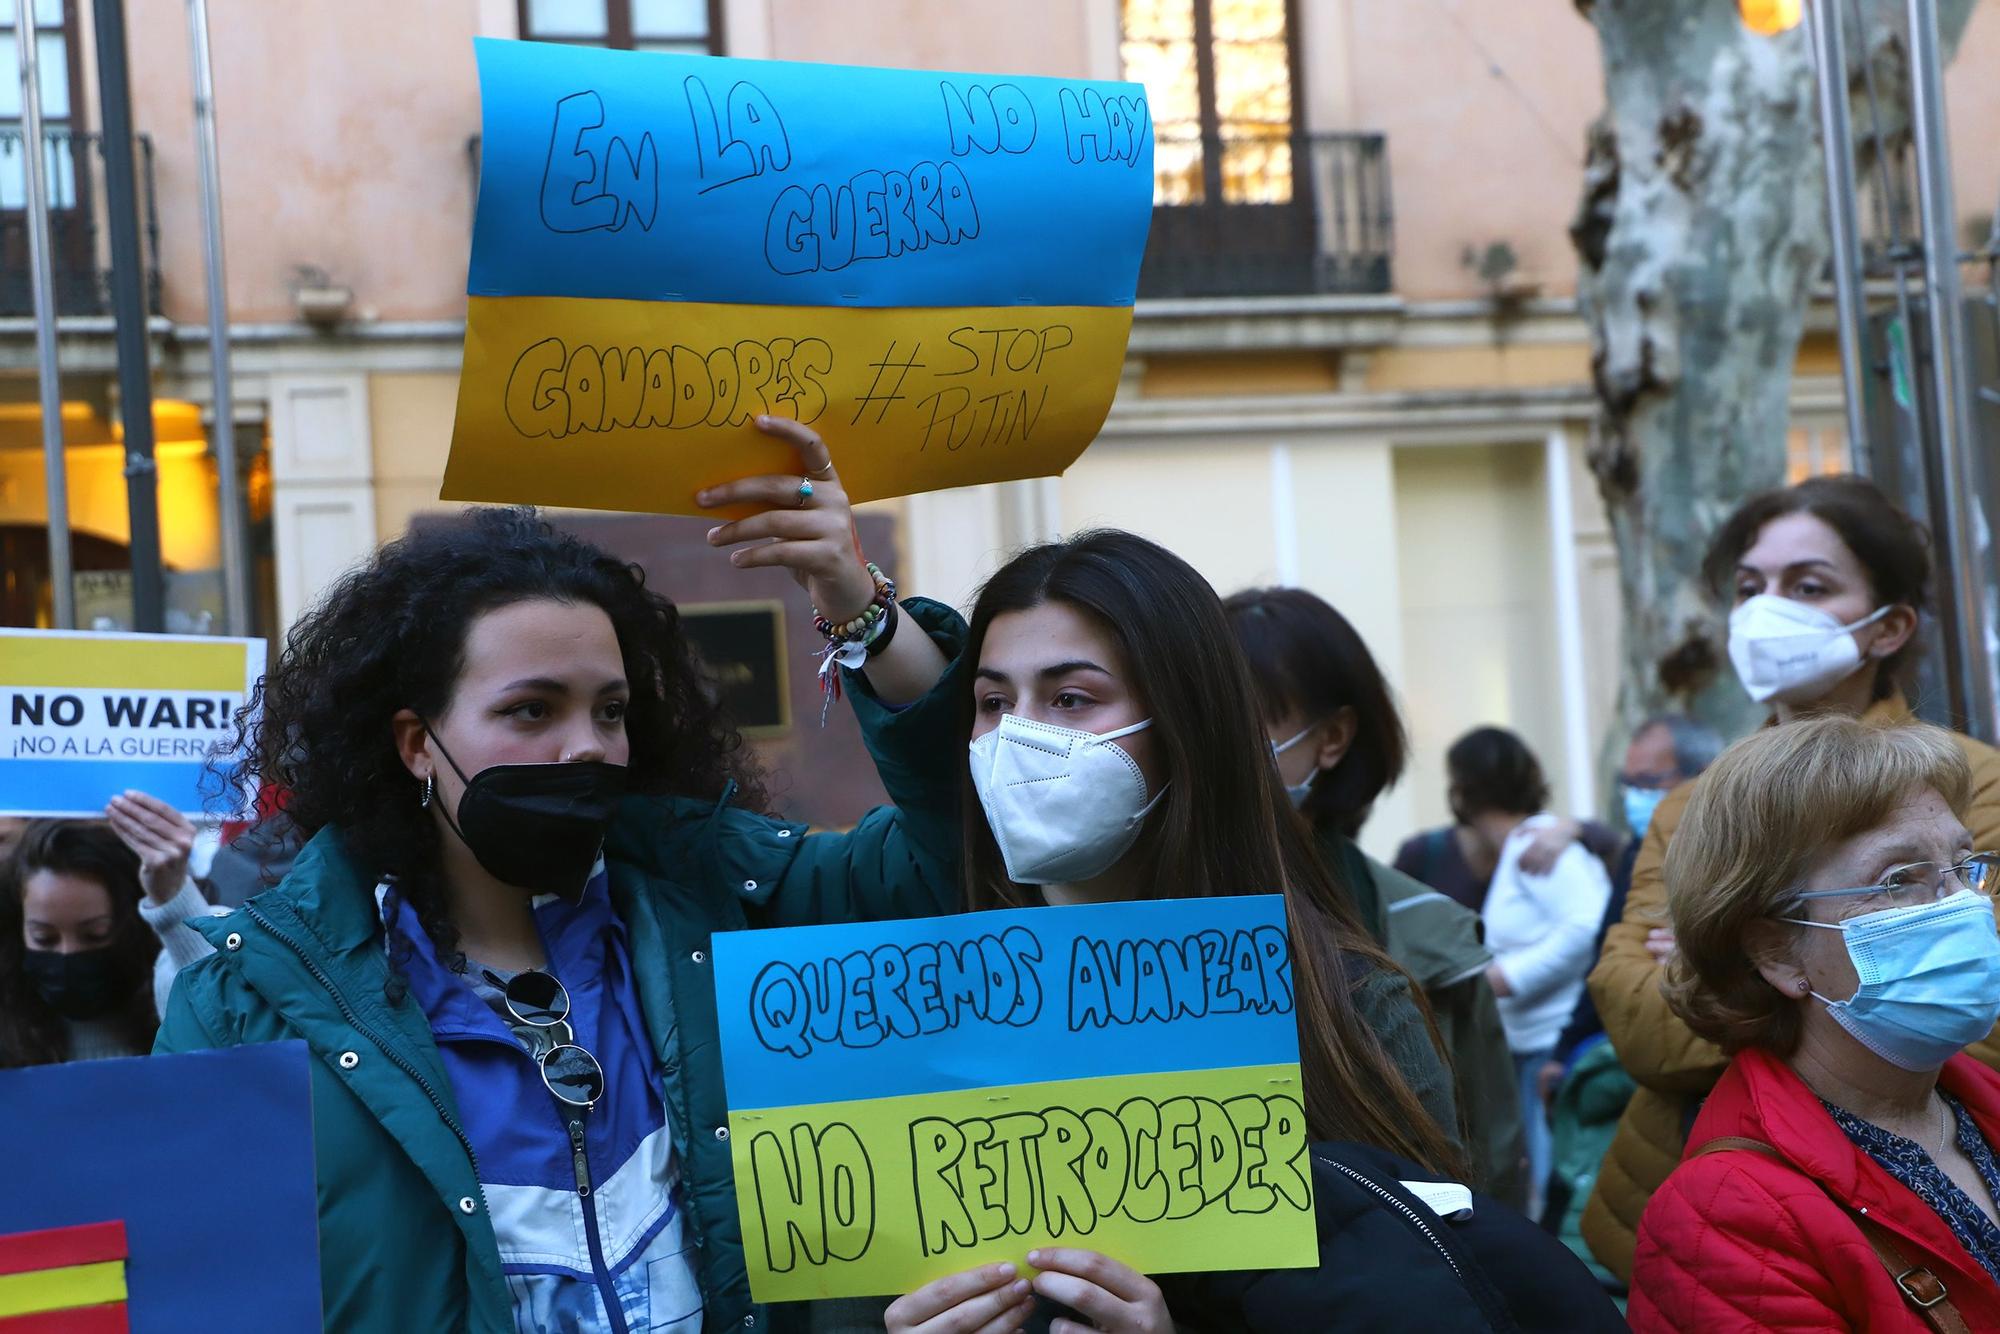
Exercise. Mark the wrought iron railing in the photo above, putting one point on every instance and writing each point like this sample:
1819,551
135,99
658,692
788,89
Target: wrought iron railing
73,176
1281,216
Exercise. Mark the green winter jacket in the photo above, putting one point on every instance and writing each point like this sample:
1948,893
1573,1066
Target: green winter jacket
405,1242
1436,940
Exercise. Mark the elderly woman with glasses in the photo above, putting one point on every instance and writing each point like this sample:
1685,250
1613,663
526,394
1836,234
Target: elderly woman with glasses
1837,938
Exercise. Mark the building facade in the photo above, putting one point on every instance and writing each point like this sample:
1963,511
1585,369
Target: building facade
1355,365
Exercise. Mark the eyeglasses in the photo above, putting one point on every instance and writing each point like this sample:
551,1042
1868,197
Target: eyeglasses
1920,883
572,1074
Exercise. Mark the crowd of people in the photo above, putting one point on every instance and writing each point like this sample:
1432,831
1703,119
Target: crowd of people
1726,1057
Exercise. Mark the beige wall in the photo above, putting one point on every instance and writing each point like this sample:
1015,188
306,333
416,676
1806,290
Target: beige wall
410,415
1485,106
1479,629
342,129
343,126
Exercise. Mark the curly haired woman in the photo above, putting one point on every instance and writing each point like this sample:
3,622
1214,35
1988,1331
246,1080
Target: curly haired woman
528,819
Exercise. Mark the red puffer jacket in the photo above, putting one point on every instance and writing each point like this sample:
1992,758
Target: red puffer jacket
1740,1241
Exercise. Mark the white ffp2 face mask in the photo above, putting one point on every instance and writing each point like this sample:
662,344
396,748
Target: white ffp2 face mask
1788,653
1064,805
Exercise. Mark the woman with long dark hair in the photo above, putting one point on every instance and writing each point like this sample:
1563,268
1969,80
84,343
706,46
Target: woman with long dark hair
1339,741
92,934
1114,653
528,816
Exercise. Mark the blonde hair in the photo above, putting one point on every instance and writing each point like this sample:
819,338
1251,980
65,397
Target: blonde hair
1758,822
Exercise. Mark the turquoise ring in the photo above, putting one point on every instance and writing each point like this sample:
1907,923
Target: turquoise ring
805,492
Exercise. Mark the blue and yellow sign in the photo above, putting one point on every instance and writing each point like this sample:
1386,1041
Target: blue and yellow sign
935,271
909,1099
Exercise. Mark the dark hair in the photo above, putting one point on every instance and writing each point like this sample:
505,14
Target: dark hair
1307,660
1493,770
1695,743
31,1032
1892,547
391,635
1223,826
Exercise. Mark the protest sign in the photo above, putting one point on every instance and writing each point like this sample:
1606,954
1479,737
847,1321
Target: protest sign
161,1193
935,271
83,717
910,1099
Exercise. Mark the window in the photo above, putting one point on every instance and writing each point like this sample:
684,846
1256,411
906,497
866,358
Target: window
692,27
1816,449
53,49
1220,80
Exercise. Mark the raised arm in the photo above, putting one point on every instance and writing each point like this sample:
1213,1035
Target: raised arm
901,860
810,527
163,839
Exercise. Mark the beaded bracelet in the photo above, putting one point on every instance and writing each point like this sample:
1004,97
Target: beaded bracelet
850,643
859,626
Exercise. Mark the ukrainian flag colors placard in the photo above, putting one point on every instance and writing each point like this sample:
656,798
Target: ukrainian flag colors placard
911,1099
83,717
935,271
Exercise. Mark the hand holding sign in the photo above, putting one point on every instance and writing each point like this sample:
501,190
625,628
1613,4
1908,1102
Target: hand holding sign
1117,1298
667,247
160,835
811,527
986,1300
884,1137
808,515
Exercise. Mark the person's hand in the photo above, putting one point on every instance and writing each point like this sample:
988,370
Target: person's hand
1548,845
161,836
986,1300
1548,1080
813,536
1117,1298
1660,944
1496,978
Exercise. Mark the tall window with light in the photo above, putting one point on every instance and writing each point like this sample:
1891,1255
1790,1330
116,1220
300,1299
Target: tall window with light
691,27
1219,78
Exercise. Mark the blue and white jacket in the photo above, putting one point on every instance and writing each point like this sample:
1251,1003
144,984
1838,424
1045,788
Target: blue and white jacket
611,1257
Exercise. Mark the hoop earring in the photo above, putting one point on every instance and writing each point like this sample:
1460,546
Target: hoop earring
430,791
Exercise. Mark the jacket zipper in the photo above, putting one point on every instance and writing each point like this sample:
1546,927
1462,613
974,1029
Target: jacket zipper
580,1160
1401,1208
354,1021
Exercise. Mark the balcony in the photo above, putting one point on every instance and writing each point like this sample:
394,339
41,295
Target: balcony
73,174
1332,235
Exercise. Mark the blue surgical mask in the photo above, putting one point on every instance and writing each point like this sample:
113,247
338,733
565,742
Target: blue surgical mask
1298,792
1930,979
1640,803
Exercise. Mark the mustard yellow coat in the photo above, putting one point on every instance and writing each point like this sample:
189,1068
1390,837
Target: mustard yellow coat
1674,1068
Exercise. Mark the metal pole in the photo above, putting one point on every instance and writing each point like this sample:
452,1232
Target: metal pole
1951,369
128,305
222,434
1843,227
41,270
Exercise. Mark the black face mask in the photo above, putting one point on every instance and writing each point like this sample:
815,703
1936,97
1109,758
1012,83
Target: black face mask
538,827
80,986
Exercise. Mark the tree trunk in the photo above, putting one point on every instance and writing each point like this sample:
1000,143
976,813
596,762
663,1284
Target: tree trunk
1702,233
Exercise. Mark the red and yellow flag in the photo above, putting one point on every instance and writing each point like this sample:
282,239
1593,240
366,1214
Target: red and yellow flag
68,1279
